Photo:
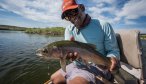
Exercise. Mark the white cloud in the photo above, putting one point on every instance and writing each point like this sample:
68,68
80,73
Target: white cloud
104,1
48,11
133,10
97,10
129,22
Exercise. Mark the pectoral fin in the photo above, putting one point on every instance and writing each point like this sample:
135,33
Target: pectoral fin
63,64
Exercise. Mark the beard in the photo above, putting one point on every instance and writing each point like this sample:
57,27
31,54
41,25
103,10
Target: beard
78,21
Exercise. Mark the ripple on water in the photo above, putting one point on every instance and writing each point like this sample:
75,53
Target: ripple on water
18,62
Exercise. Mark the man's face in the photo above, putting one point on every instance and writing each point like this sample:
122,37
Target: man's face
75,16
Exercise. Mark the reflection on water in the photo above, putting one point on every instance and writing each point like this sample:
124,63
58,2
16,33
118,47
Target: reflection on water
18,62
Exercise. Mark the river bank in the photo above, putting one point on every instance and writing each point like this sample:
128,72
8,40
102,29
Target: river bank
143,36
51,31
54,31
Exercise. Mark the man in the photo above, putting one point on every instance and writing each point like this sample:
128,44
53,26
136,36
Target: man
87,30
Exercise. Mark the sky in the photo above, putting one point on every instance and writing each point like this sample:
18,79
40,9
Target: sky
122,14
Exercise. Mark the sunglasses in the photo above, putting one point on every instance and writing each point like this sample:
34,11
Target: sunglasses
70,13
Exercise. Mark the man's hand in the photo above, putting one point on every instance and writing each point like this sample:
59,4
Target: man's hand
114,62
72,56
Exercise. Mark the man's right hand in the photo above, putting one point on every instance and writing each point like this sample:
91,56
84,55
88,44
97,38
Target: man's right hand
72,56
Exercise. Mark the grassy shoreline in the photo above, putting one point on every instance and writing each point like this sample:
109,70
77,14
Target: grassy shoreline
53,31
143,36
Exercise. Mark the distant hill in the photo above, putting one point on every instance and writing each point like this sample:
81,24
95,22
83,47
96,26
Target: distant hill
8,27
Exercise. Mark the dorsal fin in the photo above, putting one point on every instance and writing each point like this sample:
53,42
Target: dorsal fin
85,44
92,45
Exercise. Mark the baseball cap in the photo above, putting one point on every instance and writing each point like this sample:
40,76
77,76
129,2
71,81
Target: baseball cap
67,5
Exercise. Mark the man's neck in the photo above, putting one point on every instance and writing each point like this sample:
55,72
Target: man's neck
86,21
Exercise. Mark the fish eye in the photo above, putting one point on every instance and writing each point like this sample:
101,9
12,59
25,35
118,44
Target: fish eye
45,51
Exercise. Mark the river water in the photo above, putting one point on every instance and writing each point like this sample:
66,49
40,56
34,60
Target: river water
18,62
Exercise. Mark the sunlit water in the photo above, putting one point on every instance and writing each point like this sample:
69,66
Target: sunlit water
18,62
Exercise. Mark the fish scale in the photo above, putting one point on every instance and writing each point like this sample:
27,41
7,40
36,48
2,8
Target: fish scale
86,52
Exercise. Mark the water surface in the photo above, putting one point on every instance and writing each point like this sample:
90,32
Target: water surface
18,62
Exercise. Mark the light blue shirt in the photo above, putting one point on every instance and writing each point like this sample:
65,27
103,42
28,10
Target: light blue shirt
99,33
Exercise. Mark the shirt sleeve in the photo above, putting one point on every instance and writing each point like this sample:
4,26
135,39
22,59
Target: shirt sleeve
110,42
67,34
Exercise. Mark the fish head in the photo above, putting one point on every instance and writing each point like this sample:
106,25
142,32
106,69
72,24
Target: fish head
49,52
42,52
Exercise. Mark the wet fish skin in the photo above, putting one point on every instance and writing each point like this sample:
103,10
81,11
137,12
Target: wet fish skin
86,52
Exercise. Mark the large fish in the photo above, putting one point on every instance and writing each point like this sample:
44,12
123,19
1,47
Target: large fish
87,54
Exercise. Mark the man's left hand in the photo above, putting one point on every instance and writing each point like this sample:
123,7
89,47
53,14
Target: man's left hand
114,62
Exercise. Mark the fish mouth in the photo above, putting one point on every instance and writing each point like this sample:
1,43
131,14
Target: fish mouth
39,54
